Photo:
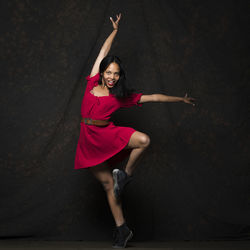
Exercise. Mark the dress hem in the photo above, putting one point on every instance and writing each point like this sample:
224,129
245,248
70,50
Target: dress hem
117,152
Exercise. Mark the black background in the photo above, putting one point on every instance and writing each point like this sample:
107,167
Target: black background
193,183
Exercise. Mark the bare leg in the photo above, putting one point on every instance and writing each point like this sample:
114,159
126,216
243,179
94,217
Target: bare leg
138,142
103,174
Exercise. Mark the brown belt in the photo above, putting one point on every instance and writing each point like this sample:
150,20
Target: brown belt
89,121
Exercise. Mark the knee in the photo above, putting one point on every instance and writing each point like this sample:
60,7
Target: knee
144,140
107,185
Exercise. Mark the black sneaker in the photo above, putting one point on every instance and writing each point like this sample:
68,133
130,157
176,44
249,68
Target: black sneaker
121,236
120,180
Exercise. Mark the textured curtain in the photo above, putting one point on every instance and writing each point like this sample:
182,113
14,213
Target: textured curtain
193,182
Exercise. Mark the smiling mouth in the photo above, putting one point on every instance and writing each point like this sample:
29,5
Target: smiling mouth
111,83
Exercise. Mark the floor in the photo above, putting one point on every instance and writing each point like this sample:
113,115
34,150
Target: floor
79,245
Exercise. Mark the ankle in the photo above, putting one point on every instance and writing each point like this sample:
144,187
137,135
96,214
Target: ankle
119,224
123,228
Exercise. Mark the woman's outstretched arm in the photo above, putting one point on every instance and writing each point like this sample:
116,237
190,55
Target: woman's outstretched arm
106,46
166,98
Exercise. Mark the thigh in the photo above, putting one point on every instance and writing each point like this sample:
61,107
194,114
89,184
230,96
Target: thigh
137,139
102,172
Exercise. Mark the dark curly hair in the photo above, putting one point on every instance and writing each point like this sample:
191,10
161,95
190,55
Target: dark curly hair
120,90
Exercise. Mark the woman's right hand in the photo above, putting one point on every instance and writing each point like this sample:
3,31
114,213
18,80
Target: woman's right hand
116,23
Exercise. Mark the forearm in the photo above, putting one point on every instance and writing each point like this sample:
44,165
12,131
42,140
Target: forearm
166,98
108,42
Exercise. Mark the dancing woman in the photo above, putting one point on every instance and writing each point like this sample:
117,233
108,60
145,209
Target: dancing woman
100,139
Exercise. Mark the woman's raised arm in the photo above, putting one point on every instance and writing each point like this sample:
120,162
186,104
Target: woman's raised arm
106,46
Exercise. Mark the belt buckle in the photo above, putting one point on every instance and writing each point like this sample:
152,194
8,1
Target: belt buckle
88,121
91,122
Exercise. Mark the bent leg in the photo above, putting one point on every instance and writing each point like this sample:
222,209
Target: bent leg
103,174
138,142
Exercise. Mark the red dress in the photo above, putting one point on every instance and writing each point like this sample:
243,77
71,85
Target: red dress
97,144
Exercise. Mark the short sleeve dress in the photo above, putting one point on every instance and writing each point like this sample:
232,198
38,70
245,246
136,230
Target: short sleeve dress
97,144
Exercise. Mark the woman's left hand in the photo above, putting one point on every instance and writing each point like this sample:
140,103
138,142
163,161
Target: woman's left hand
116,23
188,100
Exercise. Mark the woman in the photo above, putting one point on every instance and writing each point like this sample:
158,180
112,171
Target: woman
100,140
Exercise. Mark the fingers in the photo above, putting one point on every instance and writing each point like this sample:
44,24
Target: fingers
118,17
111,19
189,100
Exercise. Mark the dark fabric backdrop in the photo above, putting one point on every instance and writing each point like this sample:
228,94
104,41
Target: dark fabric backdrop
193,182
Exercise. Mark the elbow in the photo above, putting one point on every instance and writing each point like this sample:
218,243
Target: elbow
155,98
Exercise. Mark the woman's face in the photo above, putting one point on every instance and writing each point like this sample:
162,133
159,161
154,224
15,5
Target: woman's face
111,75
